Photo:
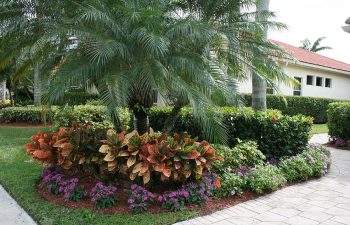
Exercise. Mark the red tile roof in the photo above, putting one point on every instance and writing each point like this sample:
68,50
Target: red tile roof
306,56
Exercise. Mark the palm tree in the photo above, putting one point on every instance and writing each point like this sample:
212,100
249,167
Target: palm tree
193,51
314,47
22,27
248,52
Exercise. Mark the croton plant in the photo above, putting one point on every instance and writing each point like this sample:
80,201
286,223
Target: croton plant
176,157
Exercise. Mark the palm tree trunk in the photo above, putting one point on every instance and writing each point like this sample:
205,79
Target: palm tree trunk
37,85
170,121
259,93
141,121
259,83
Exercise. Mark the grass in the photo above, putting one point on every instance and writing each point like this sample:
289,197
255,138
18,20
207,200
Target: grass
19,176
319,129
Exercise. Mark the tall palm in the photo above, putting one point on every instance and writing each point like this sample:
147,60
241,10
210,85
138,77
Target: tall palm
314,47
23,24
248,52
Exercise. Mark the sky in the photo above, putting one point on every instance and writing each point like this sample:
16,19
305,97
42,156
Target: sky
313,19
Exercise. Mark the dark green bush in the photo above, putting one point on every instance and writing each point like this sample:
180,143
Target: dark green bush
277,135
30,114
77,97
293,105
94,114
339,120
243,154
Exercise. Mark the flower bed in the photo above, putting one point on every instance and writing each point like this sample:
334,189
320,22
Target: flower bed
158,173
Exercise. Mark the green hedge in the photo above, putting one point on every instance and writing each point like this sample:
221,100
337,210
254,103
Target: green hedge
293,105
277,135
339,120
77,97
29,114
96,115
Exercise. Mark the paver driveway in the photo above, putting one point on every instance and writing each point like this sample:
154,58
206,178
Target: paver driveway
324,201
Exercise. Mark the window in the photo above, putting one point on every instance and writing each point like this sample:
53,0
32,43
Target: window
310,80
319,81
297,88
269,90
328,83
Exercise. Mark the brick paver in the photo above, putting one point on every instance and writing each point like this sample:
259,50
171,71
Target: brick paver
324,201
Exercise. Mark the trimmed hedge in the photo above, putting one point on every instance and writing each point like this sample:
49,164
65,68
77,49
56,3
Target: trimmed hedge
77,97
293,105
96,115
29,114
277,135
339,120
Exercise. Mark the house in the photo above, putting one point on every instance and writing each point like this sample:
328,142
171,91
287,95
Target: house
3,91
319,76
347,27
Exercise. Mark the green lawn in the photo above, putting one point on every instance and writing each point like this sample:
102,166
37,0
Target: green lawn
319,129
19,175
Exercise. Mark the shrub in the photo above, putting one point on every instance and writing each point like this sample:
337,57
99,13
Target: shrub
231,184
243,154
294,105
313,162
265,178
5,103
103,196
296,168
139,199
175,158
67,146
30,114
93,114
339,120
277,135
77,97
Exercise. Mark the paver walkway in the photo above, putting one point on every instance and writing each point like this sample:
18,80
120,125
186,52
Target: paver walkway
324,201
11,213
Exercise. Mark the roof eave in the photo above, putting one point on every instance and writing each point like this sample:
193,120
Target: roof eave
314,66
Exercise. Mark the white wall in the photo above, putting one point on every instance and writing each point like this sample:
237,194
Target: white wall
340,88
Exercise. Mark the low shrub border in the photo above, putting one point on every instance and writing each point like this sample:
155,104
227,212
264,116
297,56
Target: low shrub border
294,105
277,135
29,114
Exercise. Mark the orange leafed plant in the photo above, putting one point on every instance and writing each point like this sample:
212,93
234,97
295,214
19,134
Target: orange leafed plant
176,157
